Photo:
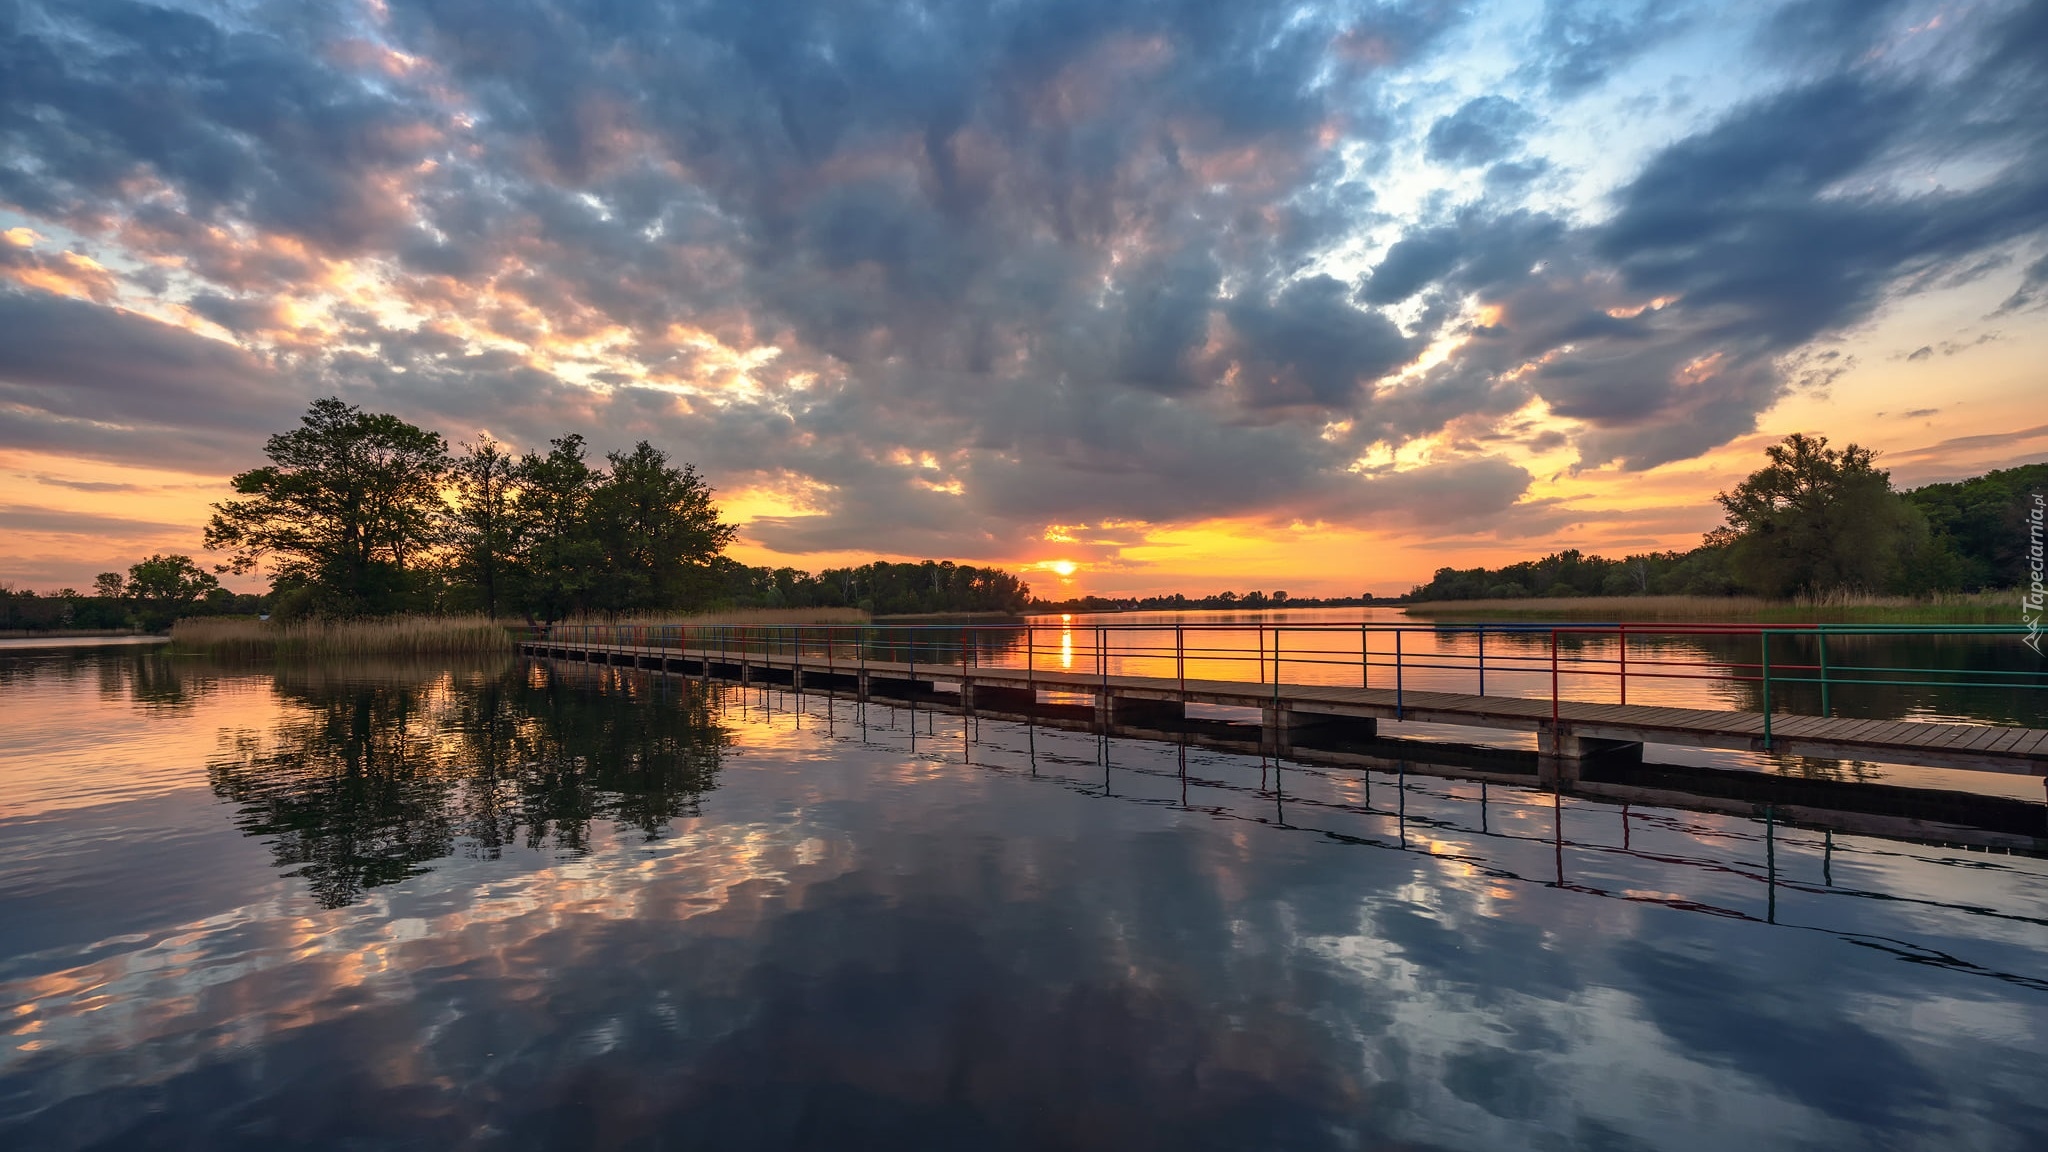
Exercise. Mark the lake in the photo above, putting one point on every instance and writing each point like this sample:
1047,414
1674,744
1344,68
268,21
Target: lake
521,905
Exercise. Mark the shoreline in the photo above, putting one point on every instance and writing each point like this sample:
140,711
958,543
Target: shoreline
1973,608
67,633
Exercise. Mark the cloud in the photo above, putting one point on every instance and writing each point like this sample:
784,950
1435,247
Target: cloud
66,274
1670,326
1308,346
2032,292
1581,42
1093,261
1485,129
55,521
89,485
109,384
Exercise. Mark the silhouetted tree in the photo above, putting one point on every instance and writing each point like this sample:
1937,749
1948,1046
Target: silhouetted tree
168,581
483,525
1815,519
557,556
658,532
347,506
166,587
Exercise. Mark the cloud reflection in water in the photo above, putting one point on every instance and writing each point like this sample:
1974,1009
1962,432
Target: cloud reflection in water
734,932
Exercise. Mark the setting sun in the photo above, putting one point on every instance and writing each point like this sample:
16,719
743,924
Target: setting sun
1063,567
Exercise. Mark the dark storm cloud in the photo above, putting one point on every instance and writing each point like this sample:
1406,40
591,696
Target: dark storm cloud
1483,130
1477,251
1166,308
1309,347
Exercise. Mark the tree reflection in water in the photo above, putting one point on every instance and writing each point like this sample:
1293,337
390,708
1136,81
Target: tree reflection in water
378,771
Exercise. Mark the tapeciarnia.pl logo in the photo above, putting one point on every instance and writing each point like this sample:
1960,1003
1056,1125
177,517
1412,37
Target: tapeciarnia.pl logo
2037,573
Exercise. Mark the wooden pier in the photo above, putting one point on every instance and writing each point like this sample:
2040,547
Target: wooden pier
1300,718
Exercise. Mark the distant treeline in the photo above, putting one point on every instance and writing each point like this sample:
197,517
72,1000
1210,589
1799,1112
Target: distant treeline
1812,522
149,596
882,588
1177,602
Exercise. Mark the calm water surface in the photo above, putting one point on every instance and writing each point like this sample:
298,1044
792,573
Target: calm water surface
523,907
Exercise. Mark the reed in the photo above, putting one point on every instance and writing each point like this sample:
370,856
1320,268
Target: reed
1830,608
399,636
735,616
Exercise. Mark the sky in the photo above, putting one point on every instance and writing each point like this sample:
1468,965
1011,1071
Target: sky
1179,294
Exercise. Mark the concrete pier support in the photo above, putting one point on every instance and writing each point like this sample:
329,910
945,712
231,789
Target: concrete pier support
1136,712
1283,729
1562,754
990,698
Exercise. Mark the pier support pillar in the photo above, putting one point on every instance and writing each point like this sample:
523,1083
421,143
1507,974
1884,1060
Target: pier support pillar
1299,729
1134,712
1562,754
1283,729
998,699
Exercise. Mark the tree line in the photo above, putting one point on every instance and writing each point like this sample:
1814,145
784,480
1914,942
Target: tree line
151,594
1254,600
362,514
881,588
1814,520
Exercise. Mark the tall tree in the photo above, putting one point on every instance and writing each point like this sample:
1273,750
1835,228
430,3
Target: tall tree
557,557
483,524
1815,519
345,508
659,532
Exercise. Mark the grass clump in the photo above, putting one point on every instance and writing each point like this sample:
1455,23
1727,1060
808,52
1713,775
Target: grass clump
1830,608
398,636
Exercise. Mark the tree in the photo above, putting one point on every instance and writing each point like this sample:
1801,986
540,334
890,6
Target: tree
483,525
1815,520
166,587
344,510
110,585
557,557
169,581
658,530
1981,524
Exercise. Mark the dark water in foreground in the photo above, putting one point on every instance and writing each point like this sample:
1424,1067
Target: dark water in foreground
527,907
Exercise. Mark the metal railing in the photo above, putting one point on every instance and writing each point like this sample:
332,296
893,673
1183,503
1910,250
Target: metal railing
1967,673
